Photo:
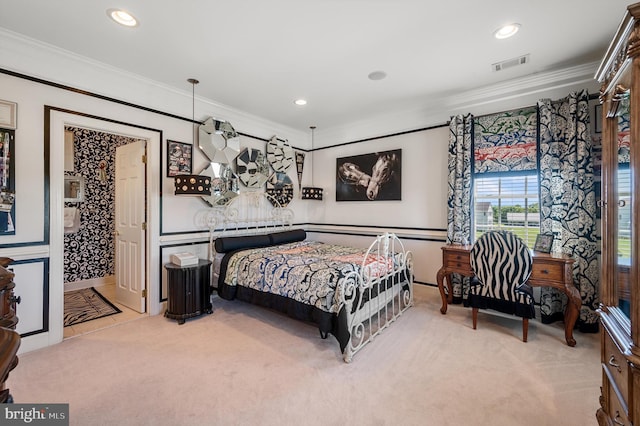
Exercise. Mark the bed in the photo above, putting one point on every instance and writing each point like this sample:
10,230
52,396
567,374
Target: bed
348,292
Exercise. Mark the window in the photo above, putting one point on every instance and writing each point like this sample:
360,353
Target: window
509,202
624,213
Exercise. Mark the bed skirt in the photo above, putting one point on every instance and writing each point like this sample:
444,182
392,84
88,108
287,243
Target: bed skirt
325,321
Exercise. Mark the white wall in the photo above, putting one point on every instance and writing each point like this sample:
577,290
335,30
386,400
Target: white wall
424,169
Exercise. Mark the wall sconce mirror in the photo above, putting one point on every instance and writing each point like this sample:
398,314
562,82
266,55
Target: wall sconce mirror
224,184
73,189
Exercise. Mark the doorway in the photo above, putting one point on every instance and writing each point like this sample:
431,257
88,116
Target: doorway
111,210
58,119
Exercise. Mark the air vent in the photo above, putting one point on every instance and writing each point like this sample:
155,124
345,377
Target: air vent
510,63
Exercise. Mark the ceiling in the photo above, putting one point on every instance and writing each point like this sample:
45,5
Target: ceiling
258,56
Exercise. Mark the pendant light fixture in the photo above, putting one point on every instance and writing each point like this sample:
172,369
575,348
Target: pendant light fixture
312,192
192,184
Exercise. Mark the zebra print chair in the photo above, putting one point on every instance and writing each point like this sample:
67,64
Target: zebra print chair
501,262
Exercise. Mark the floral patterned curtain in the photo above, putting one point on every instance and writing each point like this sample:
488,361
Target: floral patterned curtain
459,191
506,142
567,201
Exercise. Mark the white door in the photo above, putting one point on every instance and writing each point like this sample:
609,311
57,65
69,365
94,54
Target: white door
130,226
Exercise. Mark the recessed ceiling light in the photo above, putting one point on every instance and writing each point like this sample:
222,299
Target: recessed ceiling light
506,31
377,75
300,102
122,17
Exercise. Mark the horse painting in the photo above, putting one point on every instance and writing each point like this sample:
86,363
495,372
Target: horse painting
369,177
381,173
351,174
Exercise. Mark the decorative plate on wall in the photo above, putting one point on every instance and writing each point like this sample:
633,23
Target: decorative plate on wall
279,154
280,187
252,168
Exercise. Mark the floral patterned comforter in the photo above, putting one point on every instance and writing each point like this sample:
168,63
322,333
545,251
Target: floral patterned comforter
308,272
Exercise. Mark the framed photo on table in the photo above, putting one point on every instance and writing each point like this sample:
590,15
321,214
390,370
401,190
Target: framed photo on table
543,243
179,158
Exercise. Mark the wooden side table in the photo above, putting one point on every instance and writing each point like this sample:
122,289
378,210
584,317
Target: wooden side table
189,290
548,270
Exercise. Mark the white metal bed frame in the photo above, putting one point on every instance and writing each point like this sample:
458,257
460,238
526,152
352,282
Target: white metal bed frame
254,212
249,213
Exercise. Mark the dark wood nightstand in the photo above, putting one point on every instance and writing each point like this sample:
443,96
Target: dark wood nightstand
189,290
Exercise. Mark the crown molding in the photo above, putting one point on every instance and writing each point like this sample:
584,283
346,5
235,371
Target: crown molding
532,83
514,93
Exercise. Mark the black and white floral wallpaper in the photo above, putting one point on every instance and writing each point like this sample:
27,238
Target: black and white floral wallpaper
90,252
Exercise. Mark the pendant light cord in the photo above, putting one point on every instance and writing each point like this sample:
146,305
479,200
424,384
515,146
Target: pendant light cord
313,169
193,82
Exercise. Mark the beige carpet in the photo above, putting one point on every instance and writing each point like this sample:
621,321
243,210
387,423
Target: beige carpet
245,365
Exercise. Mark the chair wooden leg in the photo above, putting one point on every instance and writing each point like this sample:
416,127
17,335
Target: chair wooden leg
525,328
474,315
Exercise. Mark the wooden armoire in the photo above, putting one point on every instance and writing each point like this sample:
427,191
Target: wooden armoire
619,75
9,339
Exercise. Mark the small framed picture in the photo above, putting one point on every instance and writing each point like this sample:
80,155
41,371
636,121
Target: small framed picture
8,115
597,119
179,158
543,243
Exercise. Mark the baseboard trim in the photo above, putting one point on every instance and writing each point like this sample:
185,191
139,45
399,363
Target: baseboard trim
94,282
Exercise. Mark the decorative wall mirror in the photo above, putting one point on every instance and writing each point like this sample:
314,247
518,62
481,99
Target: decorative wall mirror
252,168
224,184
218,141
280,187
73,189
280,154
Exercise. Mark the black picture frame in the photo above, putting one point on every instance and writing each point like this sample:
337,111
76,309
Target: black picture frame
353,175
597,119
544,242
179,158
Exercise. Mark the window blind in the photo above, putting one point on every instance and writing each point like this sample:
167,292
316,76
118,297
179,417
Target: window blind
508,202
